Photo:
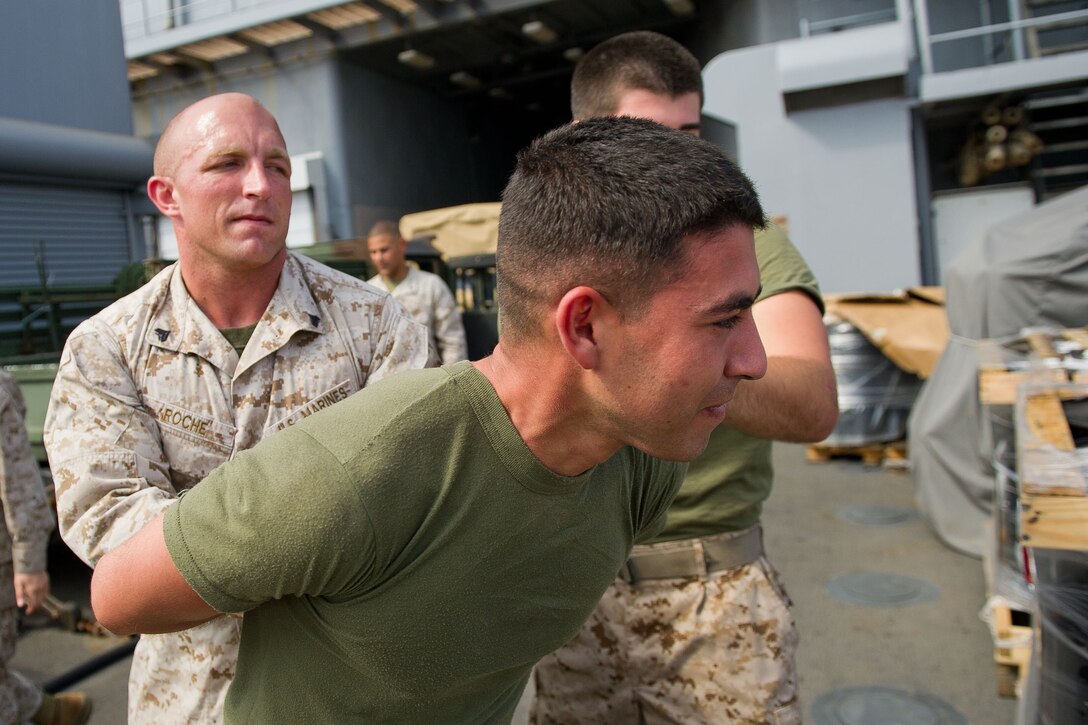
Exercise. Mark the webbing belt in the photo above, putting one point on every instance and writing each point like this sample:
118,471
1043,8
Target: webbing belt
695,557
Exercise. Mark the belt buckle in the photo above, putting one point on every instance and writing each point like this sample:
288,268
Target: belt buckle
700,557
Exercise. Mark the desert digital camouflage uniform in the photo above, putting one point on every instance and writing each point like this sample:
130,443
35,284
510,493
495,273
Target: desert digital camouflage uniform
150,397
690,661
430,301
23,542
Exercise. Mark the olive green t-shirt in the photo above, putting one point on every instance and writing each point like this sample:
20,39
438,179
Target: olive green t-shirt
726,486
238,337
403,557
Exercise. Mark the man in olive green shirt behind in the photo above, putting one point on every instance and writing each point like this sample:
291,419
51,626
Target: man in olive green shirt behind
451,526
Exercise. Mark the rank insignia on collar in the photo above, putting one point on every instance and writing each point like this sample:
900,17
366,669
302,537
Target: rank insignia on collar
163,334
315,320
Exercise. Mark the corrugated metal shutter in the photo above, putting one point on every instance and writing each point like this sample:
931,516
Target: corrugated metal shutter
83,232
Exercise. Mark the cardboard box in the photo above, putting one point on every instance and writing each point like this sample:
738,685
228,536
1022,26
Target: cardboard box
909,326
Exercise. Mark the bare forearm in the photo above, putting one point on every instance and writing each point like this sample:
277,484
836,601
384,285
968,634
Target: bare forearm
796,401
136,588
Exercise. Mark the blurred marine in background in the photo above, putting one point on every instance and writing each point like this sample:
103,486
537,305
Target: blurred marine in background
425,295
23,549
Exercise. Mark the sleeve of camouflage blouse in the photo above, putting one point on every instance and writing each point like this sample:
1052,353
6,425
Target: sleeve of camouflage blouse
105,452
26,510
400,343
448,328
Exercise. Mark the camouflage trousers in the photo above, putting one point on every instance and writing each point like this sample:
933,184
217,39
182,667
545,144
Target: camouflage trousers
181,678
716,649
19,699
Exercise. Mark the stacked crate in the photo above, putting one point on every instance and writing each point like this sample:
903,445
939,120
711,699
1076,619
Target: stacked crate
1039,571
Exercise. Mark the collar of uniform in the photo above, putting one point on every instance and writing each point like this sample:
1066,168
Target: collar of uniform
181,326
292,309
381,284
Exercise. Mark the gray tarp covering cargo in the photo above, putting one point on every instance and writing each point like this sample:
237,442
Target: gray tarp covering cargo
1031,270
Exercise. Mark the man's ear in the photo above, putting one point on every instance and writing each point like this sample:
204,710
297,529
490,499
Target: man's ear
579,317
160,189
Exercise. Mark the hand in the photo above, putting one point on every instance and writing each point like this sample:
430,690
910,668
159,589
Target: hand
31,589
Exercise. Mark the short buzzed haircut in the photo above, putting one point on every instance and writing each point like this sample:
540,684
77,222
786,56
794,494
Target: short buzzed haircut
641,60
607,203
383,227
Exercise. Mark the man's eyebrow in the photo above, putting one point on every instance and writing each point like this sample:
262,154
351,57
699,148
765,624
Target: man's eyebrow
234,151
739,301
226,151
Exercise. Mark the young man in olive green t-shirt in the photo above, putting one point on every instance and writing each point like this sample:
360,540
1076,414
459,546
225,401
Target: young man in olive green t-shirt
431,537
699,628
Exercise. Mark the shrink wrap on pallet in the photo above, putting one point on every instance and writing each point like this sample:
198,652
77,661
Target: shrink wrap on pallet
1058,683
875,395
882,346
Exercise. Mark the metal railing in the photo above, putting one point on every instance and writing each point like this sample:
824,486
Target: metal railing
1018,27
140,18
846,22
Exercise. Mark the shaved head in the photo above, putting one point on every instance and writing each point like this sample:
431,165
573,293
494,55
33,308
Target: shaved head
176,141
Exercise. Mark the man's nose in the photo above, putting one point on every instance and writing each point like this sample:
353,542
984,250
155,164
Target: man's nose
256,180
750,359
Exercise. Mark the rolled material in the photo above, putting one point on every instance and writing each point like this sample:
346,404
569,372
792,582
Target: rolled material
996,134
995,157
875,396
1017,153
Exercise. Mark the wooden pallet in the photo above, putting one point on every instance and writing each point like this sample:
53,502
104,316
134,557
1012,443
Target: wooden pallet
1052,487
998,381
1012,649
892,455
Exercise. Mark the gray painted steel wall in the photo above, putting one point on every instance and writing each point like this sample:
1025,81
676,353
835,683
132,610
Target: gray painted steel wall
70,172
64,63
731,24
407,149
842,174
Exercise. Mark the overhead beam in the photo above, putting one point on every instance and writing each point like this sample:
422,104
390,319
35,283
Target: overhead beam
428,15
